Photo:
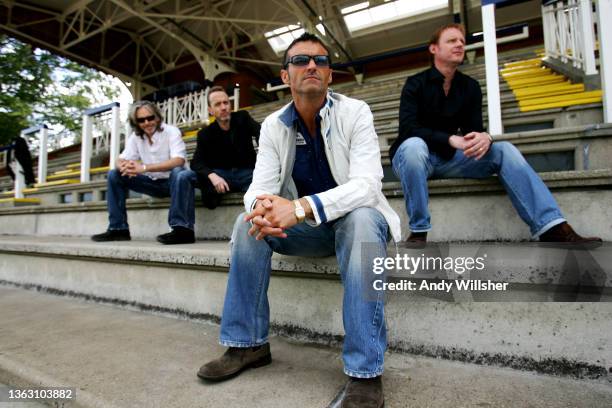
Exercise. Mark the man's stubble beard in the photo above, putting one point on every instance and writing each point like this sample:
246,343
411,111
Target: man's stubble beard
313,94
225,120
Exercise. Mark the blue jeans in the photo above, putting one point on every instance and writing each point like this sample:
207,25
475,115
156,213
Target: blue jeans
414,164
246,312
237,179
179,187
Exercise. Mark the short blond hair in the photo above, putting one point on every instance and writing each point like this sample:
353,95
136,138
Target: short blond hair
435,37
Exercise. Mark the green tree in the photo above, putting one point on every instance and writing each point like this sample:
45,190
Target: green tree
37,86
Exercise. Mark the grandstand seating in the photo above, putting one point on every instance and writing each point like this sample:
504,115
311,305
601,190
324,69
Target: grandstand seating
305,294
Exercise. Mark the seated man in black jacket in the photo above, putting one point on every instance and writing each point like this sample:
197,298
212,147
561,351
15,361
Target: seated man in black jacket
441,135
225,157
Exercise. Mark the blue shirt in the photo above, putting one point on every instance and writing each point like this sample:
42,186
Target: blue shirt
311,172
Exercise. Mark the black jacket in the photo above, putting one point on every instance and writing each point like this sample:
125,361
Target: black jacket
426,112
218,149
22,154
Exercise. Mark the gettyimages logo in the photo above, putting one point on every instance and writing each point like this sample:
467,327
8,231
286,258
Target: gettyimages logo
490,272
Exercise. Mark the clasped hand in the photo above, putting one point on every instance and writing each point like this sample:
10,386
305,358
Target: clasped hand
474,144
271,216
130,168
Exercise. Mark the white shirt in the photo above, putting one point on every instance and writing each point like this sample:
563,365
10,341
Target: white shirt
167,144
353,154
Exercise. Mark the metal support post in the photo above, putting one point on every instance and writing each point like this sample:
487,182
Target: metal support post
604,27
19,178
115,137
207,116
236,98
588,37
86,145
492,71
43,136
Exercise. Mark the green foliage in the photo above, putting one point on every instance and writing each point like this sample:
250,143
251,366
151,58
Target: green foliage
37,86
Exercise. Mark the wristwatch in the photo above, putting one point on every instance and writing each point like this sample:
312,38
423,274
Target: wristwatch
300,214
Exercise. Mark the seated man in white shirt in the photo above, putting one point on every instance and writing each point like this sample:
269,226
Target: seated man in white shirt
152,163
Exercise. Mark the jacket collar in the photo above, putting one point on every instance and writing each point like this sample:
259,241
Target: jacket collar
289,115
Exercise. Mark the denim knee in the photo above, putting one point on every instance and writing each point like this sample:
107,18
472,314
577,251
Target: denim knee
114,176
241,228
365,224
176,172
412,154
182,175
507,152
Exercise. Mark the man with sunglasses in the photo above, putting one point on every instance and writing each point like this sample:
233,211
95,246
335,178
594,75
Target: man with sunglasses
152,163
316,192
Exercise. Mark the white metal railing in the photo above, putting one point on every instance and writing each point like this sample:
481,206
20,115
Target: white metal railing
101,132
187,110
42,133
191,109
569,33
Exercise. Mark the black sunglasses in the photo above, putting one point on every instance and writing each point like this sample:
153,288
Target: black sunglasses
146,119
303,60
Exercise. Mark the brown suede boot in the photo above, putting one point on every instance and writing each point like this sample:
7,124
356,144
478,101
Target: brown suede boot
564,236
234,361
364,393
416,240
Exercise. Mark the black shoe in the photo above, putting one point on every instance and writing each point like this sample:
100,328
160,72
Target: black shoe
112,235
363,393
563,236
234,361
416,240
178,235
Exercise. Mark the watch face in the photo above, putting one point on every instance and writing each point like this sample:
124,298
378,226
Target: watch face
300,214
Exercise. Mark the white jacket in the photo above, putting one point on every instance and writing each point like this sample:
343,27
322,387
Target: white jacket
353,154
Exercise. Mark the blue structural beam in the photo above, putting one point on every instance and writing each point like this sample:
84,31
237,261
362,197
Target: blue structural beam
504,3
33,129
100,109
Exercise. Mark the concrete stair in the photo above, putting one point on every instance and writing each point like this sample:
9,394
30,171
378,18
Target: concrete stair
538,87
382,94
523,331
453,201
589,146
126,358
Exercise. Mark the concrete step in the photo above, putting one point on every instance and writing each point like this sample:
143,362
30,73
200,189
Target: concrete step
136,359
512,117
525,331
584,196
10,202
589,146
562,120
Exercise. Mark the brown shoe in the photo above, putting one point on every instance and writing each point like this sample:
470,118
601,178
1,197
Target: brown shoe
364,393
416,240
564,236
234,361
